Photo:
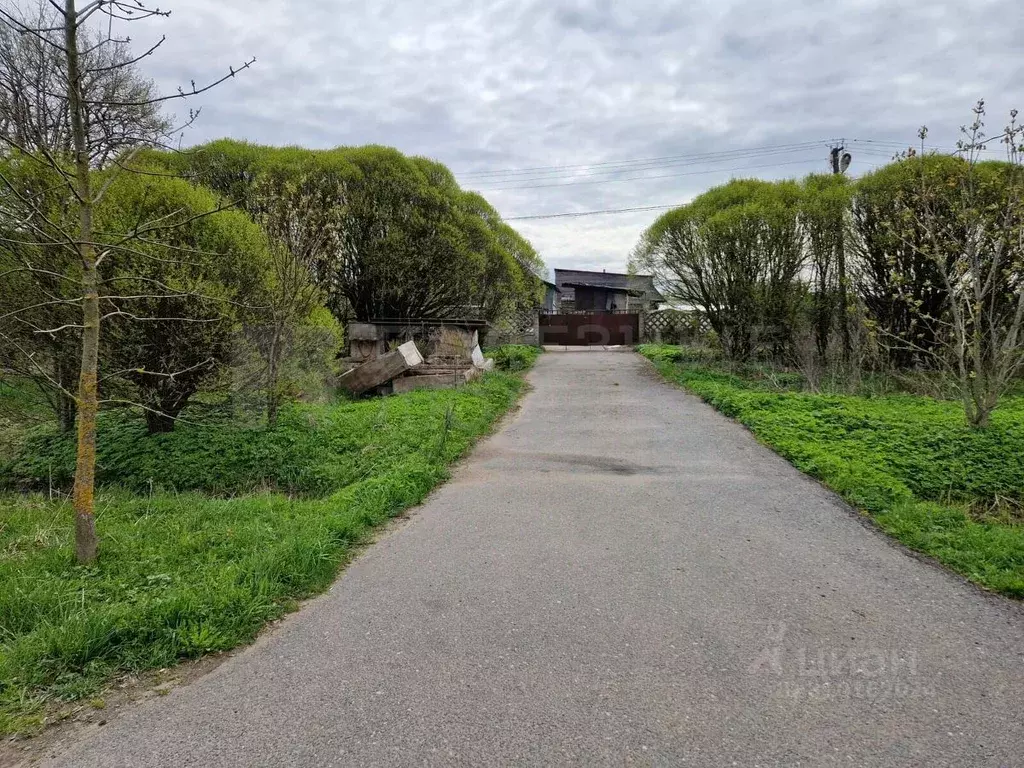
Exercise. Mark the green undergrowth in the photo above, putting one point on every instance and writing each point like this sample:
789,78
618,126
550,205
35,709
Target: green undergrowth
183,573
514,357
911,462
22,407
313,450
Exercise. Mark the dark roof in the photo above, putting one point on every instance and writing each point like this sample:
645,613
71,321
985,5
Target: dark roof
403,322
630,291
551,285
642,284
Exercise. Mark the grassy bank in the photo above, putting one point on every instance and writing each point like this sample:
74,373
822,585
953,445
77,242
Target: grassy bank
911,462
206,533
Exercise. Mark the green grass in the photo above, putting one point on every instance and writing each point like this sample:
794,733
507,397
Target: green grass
22,406
313,450
183,573
514,357
911,462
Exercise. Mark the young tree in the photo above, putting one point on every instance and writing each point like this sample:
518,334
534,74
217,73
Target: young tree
292,298
35,119
977,248
73,167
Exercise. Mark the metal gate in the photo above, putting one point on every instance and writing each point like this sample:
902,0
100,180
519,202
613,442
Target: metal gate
598,329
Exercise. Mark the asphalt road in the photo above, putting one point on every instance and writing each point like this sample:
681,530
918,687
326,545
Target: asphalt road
620,576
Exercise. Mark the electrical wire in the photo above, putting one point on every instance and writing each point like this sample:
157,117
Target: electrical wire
641,169
658,176
593,213
501,176
643,161
869,148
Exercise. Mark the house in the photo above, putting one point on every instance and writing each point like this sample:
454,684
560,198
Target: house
551,293
580,290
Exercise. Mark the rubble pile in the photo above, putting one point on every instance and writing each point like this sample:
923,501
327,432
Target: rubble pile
437,357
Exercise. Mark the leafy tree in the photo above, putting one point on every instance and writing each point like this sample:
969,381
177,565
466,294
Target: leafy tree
735,252
382,234
173,302
508,279
824,212
901,286
39,334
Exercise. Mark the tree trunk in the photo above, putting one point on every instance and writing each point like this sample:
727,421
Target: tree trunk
272,375
844,301
88,395
160,422
66,404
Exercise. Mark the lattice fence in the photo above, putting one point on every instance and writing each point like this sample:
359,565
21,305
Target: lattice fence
675,326
520,328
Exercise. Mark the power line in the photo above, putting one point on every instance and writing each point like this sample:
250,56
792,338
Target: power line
659,176
635,209
882,145
880,148
611,172
665,158
593,213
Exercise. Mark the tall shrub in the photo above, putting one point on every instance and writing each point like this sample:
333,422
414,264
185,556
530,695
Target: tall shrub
735,252
901,286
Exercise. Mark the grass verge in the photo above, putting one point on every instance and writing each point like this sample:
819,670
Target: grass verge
910,462
183,573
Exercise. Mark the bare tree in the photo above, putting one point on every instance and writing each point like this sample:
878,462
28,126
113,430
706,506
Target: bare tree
292,297
71,166
122,112
978,251
35,117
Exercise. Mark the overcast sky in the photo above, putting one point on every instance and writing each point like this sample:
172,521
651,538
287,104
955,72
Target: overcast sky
496,86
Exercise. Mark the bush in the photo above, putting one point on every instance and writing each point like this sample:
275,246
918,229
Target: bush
514,357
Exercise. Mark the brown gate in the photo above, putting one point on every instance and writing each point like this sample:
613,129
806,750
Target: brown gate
590,330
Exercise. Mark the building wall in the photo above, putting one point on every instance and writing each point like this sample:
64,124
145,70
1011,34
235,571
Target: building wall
600,299
550,299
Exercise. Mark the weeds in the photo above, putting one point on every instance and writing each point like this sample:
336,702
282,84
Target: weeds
514,357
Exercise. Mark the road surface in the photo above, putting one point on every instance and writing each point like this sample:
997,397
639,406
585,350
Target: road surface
620,576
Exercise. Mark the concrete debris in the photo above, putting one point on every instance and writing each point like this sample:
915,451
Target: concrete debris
453,358
381,370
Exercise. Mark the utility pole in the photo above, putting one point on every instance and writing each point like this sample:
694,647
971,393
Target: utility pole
838,159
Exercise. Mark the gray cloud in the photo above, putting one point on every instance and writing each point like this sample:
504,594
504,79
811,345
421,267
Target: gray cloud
486,86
